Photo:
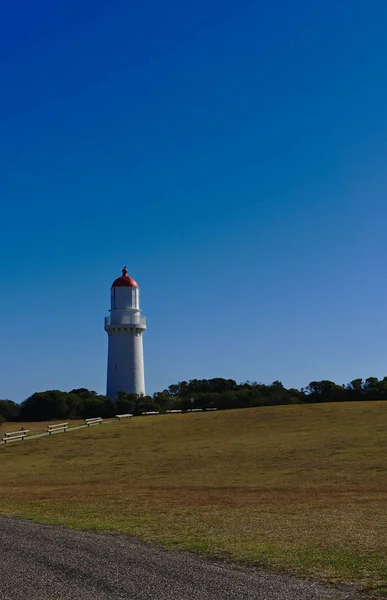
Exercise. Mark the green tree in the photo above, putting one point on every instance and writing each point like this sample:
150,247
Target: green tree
125,403
9,410
44,406
324,391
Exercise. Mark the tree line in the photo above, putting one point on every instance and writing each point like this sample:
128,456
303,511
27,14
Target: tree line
198,393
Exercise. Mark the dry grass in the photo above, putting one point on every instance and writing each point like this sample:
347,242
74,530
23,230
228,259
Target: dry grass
36,427
302,488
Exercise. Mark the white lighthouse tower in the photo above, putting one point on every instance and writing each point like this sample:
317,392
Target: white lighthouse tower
125,327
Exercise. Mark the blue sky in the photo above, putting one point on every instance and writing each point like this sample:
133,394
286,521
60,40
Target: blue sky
233,155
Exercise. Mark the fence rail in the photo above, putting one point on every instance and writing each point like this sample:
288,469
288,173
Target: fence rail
15,436
94,421
57,428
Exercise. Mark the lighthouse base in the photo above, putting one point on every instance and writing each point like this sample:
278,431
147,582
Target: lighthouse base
125,361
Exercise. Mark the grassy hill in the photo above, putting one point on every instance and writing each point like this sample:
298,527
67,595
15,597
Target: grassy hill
302,488
35,427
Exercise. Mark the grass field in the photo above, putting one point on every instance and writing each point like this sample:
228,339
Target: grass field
301,488
37,427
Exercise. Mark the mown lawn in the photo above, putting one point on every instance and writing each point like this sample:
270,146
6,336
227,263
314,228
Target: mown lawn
36,427
301,488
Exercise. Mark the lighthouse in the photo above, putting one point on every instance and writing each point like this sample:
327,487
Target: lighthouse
125,327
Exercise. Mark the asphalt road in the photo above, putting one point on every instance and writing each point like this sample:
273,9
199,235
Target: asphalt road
45,562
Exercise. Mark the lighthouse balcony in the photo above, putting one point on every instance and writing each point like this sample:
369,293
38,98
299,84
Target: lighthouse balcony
126,320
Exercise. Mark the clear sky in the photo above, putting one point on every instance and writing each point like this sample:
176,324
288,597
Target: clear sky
232,154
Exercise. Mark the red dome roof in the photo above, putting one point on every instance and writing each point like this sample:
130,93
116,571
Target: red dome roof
125,281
